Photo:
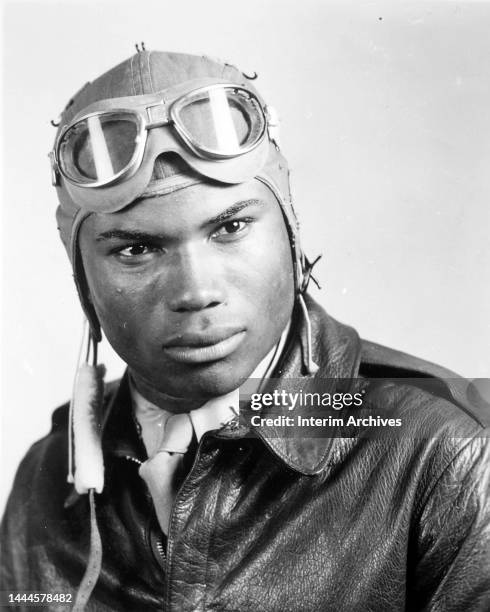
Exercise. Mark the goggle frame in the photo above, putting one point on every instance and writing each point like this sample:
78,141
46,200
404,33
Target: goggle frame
159,113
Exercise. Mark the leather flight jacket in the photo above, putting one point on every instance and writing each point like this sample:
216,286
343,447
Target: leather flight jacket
270,522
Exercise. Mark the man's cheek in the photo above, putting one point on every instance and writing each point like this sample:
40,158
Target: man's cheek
277,280
120,314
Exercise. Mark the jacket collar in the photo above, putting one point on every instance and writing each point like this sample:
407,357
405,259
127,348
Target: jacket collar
336,350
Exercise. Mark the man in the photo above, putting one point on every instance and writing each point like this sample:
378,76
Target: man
176,214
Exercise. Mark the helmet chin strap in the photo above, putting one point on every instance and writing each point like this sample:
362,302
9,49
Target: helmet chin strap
311,368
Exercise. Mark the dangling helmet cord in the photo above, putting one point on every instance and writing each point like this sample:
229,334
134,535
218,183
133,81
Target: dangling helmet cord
85,462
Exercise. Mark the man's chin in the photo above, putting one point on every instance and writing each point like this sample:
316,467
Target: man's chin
212,381
206,380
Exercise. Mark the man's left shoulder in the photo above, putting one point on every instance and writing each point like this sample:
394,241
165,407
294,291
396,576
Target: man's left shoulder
427,388
430,387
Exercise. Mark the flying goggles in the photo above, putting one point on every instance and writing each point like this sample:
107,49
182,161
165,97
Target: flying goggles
104,157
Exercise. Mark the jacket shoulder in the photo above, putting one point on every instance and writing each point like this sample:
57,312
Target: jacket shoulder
378,361
386,361
43,467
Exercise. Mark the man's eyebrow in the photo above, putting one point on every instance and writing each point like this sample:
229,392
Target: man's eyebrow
128,235
233,210
134,235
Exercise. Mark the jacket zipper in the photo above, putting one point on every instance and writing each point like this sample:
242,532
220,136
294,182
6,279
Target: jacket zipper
130,458
161,550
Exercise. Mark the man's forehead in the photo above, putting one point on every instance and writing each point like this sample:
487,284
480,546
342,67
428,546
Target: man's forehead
194,206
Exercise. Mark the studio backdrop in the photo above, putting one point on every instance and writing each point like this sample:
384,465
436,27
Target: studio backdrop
385,111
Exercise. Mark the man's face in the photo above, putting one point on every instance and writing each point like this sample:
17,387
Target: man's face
193,288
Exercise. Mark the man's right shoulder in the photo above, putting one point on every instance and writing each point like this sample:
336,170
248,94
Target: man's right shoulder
45,463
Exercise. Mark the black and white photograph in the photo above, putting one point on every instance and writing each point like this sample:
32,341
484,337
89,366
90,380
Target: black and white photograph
245,305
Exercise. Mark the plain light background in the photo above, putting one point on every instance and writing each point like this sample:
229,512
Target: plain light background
385,113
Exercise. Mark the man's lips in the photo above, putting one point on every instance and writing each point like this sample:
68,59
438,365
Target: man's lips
200,347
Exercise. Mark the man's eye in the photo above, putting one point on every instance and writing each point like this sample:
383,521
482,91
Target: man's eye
232,227
135,250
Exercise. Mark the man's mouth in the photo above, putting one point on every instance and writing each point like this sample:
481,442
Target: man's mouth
200,347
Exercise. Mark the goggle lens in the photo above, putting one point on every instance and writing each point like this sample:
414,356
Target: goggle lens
99,147
222,122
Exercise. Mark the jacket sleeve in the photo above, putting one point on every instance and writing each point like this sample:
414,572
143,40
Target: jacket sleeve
14,533
453,549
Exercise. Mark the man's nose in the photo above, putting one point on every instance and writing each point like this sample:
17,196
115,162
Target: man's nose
195,282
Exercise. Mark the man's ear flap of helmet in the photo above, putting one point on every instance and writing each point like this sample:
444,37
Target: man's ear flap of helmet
276,176
69,221
86,302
